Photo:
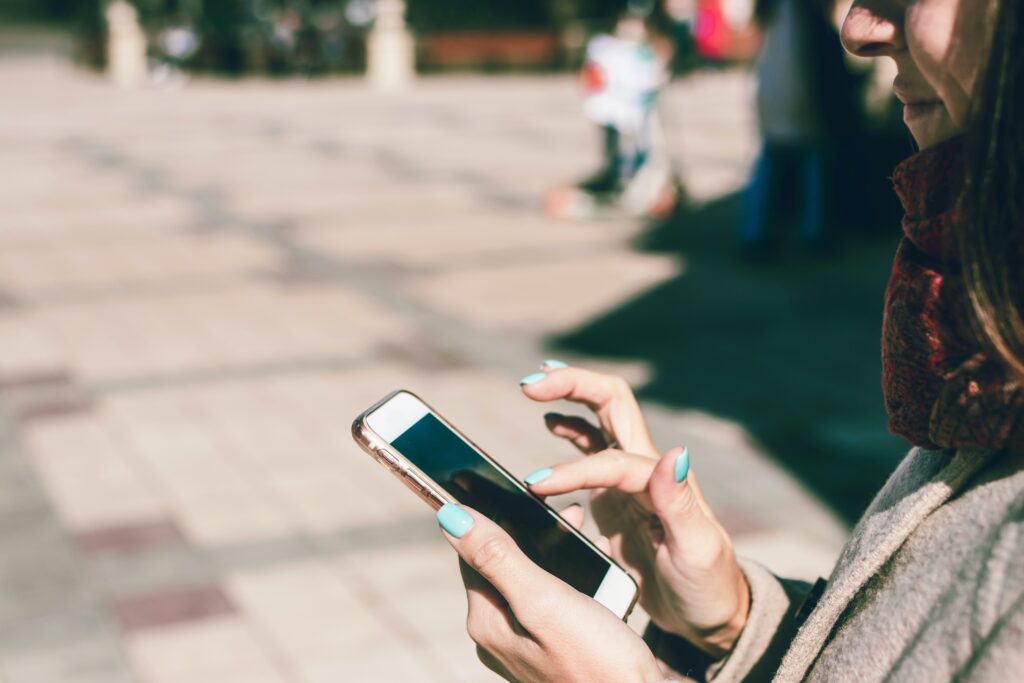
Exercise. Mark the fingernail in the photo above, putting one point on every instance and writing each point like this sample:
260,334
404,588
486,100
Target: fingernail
538,476
531,379
454,520
682,465
554,364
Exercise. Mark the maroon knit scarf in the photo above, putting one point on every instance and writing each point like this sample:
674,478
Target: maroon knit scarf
941,389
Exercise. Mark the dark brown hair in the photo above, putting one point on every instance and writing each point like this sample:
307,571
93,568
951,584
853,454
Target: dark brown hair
992,245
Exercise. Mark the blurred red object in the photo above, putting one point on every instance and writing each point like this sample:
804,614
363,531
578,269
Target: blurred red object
712,33
593,78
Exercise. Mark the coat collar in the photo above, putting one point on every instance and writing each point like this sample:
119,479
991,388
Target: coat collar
924,481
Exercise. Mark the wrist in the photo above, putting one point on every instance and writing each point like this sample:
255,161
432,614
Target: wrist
720,642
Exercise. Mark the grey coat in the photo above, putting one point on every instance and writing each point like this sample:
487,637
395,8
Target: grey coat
930,587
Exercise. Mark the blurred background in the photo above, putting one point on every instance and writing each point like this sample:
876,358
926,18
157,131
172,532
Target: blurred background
229,226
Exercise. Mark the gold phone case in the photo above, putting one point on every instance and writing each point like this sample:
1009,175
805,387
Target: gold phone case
420,484
429,491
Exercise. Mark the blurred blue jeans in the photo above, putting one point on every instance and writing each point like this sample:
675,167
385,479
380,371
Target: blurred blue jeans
785,172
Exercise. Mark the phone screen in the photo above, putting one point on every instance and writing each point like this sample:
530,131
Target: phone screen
458,468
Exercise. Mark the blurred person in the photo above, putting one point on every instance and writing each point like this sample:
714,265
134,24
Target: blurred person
930,587
282,37
175,45
623,75
805,107
330,25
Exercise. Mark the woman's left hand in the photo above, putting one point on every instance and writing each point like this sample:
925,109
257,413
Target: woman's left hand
531,626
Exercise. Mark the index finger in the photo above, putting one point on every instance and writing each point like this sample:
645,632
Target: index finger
609,469
610,398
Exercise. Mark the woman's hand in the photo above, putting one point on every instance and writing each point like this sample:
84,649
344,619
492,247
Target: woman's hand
649,507
620,422
531,626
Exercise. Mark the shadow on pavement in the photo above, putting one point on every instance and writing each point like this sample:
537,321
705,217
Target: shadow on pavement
789,349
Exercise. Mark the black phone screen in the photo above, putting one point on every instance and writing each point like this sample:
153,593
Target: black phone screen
460,470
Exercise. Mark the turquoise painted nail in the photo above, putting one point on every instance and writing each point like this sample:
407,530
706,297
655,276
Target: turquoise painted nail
682,465
532,379
454,520
539,475
554,364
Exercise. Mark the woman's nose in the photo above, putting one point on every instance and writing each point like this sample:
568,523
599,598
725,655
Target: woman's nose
873,28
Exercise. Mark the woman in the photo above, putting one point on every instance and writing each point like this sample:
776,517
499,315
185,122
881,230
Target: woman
931,584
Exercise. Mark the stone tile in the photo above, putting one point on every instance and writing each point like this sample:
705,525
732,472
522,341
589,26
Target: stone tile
91,660
182,456
308,611
419,585
229,517
27,351
171,606
221,649
77,269
521,297
47,226
460,241
227,328
67,621
142,536
38,573
292,591
52,395
375,662
87,475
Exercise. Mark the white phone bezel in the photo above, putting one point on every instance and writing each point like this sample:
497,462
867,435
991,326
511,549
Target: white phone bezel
386,420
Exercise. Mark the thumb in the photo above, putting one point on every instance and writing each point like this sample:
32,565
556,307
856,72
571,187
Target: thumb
488,549
679,505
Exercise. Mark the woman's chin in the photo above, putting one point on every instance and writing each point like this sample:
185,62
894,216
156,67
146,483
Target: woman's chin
930,124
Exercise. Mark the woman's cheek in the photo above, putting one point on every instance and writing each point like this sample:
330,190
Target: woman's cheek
930,27
968,56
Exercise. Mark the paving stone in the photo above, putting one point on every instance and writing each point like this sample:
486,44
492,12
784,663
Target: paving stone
135,537
224,648
76,270
523,297
92,660
171,606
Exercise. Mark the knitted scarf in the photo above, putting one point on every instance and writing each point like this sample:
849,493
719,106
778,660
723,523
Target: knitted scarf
941,389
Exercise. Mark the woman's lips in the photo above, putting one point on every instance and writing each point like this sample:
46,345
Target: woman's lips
917,101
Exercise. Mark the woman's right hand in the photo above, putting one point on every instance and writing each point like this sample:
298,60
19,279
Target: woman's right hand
650,508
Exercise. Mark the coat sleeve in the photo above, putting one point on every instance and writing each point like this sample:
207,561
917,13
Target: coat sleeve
770,627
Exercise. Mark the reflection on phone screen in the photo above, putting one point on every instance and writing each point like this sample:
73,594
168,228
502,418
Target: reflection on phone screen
469,478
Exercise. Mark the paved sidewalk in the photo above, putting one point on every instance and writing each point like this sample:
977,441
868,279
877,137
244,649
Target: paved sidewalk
200,289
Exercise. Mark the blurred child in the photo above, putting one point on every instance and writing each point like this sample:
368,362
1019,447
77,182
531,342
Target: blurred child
622,78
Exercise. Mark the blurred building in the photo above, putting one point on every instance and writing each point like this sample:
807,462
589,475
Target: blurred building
311,37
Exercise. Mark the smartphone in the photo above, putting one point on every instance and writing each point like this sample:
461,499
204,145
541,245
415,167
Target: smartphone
441,465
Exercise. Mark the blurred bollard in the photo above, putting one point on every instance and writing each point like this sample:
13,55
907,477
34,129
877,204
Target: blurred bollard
126,45
389,51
